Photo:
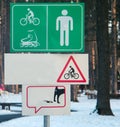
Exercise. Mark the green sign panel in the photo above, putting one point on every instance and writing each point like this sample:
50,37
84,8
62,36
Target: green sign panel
47,27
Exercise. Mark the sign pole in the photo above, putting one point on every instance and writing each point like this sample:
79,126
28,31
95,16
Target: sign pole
47,121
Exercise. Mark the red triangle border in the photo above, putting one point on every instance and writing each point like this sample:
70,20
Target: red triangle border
83,80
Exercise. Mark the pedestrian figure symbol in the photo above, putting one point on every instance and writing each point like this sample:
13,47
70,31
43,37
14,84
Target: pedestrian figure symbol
64,23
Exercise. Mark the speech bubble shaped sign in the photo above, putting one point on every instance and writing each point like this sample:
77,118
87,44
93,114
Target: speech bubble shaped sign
38,97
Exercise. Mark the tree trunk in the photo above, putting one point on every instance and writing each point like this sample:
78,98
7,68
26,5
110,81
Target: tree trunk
103,83
114,48
74,90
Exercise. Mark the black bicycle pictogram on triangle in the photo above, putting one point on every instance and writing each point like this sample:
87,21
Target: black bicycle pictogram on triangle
71,73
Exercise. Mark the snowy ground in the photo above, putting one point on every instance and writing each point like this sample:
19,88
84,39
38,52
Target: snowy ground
80,117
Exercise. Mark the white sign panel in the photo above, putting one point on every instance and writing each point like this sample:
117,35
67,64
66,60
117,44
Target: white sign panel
46,69
46,100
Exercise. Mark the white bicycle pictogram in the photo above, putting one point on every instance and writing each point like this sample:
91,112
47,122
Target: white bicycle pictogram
25,21
30,19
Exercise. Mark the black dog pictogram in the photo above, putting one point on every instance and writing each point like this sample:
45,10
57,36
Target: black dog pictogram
57,93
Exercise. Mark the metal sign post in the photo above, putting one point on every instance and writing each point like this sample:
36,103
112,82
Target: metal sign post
47,121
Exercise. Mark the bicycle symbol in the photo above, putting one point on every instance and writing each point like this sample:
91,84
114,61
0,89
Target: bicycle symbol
30,19
71,74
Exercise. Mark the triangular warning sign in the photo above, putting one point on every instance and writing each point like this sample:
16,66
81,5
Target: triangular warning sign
71,73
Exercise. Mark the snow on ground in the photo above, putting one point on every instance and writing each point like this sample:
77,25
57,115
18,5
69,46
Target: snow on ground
13,98
10,97
80,117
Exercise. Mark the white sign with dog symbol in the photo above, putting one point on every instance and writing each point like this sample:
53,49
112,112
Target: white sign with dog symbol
46,100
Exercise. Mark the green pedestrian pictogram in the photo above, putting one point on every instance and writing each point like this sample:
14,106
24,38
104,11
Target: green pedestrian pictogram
47,27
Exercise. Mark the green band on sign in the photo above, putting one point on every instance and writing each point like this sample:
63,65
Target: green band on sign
47,27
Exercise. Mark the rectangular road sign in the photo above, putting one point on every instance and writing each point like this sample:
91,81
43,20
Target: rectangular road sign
45,100
47,27
46,69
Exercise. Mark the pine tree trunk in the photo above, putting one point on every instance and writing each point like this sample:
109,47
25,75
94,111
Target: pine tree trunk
114,48
74,90
103,83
